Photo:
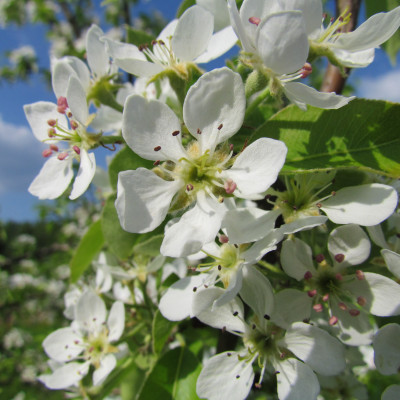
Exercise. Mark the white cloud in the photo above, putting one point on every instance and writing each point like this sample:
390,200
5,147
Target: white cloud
383,87
20,157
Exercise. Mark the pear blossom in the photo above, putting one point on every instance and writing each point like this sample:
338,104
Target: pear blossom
392,392
199,176
348,297
58,124
183,41
275,42
88,339
232,264
293,353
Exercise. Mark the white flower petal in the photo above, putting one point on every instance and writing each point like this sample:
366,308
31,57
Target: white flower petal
195,228
296,381
257,292
392,261
87,169
63,345
76,97
302,224
296,258
97,57
372,33
219,9
316,347
148,125
353,330
358,59
65,68
383,298
129,58
67,375
392,392
53,179
143,199
387,349
218,45
216,98
218,317
245,225
176,302
240,27
262,247
291,305
282,42
235,284
363,205
377,236
107,364
301,95
351,241
257,167
90,312
38,114
219,380
193,33
116,321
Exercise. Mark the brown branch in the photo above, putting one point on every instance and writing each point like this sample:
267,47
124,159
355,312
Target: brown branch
334,81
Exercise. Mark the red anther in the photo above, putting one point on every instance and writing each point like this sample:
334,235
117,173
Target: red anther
333,320
306,70
62,104
342,306
51,132
254,20
223,239
47,153
54,147
353,312
156,163
360,275
362,301
77,149
339,276
230,186
160,42
62,156
74,124
257,385
231,147
333,193
198,131
324,15
341,19
189,187
326,297
319,258
153,42
308,275
332,19
175,133
339,258
52,122
318,307
220,127
319,205
69,114
157,148
312,293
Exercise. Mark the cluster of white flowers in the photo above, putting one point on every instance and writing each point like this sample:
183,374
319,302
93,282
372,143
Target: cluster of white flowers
223,212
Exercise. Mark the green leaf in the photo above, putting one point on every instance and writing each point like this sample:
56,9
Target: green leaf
88,248
363,135
149,247
138,37
184,6
173,377
162,329
119,241
125,160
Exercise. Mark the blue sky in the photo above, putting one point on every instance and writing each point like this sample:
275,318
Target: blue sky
20,153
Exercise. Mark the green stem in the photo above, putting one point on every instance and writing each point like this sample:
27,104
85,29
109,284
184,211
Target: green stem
271,267
260,98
